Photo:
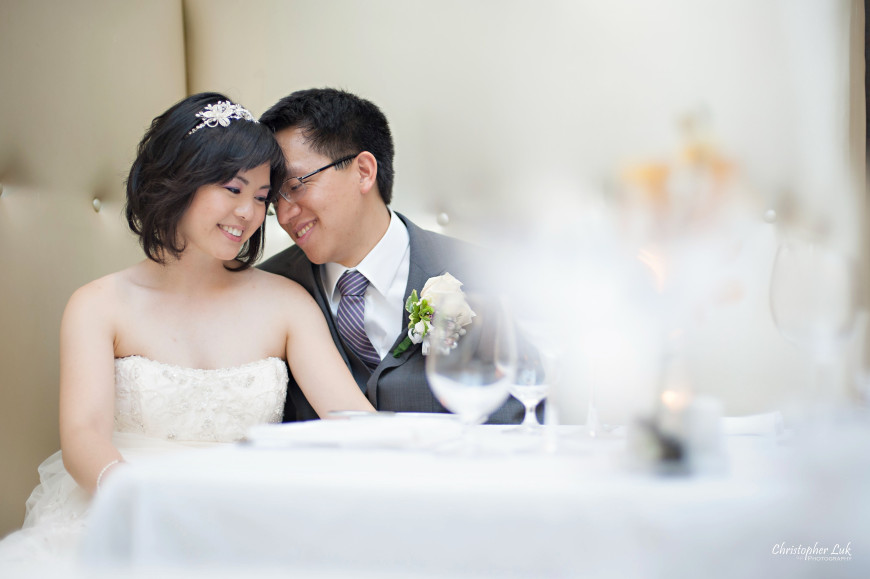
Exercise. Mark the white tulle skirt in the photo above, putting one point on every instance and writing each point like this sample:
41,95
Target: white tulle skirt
56,512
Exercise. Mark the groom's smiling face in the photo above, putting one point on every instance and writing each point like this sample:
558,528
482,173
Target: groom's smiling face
323,217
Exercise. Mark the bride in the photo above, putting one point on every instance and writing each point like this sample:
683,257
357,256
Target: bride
187,347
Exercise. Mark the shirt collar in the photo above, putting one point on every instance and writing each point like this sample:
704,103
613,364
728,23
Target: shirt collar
381,263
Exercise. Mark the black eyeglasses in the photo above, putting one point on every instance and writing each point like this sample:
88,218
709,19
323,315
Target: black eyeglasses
295,186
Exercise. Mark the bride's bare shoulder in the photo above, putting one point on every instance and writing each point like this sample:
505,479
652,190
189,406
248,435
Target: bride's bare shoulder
279,286
107,290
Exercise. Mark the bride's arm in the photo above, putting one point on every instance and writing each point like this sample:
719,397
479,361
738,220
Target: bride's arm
87,385
316,364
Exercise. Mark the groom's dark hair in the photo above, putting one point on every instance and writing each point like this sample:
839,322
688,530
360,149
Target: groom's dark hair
336,124
177,156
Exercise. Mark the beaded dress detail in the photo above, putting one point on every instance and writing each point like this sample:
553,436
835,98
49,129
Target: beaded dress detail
159,408
173,403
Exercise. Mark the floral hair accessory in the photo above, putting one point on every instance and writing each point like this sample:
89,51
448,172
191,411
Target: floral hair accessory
221,113
422,309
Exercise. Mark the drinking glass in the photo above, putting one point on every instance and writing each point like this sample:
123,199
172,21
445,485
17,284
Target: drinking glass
539,360
470,367
530,387
813,297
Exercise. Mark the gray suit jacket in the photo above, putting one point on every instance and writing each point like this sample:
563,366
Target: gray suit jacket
397,384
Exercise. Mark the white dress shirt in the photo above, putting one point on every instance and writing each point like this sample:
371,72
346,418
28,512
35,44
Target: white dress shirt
386,267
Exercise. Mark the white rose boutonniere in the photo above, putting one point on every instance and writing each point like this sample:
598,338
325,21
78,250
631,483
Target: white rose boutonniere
423,308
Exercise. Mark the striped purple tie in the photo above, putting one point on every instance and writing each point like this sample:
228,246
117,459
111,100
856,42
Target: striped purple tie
351,316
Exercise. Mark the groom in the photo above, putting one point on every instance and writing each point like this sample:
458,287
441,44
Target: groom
358,259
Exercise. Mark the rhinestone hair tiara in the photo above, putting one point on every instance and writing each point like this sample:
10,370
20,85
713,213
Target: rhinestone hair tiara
221,113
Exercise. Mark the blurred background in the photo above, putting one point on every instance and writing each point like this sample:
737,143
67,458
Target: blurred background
632,165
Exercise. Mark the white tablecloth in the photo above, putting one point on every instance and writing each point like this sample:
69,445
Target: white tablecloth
316,507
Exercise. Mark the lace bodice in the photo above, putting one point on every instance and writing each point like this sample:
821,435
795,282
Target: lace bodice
186,404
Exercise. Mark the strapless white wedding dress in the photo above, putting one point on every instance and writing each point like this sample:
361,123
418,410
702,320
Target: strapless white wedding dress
159,408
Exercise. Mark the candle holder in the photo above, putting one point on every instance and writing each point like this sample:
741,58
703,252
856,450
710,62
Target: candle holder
683,434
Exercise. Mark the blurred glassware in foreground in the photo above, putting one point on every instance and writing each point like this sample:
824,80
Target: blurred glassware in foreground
688,219
469,369
813,297
539,365
813,301
530,388
684,434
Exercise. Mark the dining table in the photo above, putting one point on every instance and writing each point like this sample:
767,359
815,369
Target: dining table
406,495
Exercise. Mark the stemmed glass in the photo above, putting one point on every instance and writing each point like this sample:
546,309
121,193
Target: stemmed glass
530,388
813,298
538,369
469,367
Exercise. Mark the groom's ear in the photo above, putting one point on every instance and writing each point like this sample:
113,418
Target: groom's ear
368,171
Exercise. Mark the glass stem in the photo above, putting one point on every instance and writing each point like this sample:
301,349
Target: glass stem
530,420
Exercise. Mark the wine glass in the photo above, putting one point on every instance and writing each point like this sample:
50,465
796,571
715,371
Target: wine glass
472,358
813,298
538,368
530,388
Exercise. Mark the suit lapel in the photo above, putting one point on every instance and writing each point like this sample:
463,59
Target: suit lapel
425,262
314,285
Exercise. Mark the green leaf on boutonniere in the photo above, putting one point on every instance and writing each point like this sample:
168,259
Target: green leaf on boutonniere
419,310
404,345
409,303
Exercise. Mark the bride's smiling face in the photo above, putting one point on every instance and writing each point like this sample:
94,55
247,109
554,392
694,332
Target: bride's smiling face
222,217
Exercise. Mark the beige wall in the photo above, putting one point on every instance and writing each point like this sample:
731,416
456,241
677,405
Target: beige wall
520,114
508,111
80,83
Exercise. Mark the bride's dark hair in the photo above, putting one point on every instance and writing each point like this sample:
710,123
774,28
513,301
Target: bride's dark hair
172,163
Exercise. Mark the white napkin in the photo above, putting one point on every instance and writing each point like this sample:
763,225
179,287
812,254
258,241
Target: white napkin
399,430
766,424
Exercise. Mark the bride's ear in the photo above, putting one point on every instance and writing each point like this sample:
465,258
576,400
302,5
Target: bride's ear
368,171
